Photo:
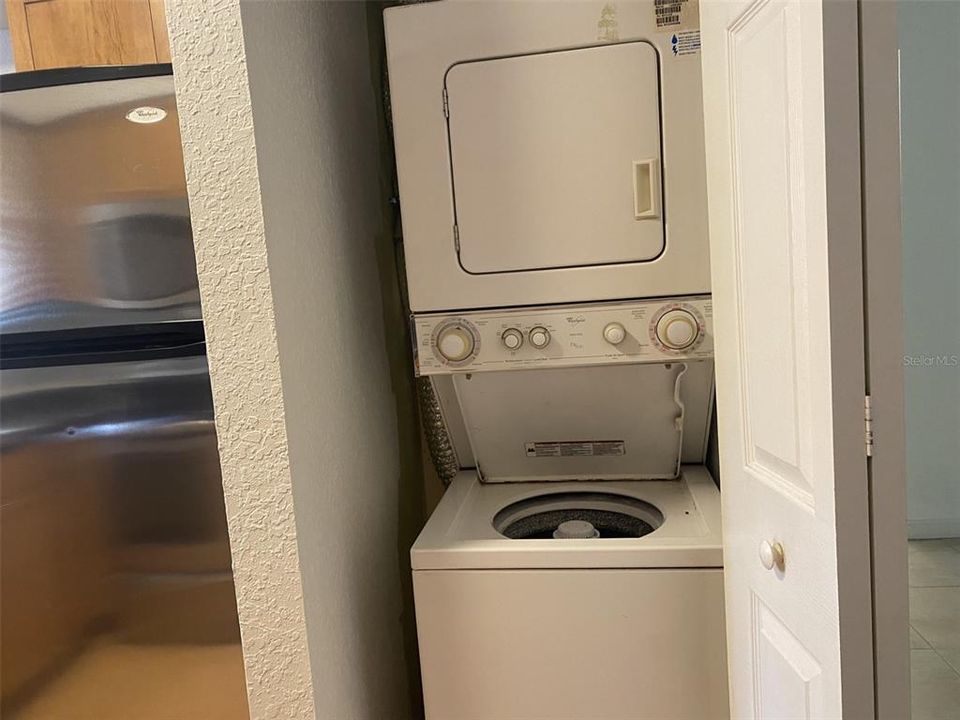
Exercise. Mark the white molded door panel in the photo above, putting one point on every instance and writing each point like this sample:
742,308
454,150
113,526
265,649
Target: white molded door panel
555,158
782,134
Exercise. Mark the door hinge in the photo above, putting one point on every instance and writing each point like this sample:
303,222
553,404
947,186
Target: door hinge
456,238
446,104
868,425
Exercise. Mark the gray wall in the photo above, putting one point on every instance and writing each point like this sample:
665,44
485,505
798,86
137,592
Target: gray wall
315,121
930,146
285,162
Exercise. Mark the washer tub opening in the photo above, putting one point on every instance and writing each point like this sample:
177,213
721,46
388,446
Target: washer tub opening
610,514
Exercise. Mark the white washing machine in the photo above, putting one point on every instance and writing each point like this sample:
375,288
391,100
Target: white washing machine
575,569
513,623
547,152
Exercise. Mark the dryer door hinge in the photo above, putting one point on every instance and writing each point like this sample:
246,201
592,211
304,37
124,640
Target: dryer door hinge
868,425
456,238
446,104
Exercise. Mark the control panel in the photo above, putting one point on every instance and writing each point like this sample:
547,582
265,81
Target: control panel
562,336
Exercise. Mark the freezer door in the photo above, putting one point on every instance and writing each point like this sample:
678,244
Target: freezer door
93,206
114,541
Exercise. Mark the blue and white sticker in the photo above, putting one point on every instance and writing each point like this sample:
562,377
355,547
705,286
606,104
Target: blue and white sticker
685,43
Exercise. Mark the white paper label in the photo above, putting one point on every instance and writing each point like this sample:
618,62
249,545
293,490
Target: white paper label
673,15
586,448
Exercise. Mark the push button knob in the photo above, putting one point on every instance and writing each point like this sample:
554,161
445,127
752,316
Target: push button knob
614,333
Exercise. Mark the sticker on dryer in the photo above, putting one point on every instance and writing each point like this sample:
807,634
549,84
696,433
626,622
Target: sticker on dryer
673,15
578,448
685,43
608,29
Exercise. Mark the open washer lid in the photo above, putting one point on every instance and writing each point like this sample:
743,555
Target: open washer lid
528,192
579,423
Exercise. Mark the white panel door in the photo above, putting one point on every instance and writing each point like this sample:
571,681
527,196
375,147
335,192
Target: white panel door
782,136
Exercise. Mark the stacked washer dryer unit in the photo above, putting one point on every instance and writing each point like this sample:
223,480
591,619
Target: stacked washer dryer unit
554,215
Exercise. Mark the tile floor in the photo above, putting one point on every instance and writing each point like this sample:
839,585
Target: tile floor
935,628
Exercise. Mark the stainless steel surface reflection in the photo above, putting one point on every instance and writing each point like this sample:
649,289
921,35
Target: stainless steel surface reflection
116,590
93,210
112,521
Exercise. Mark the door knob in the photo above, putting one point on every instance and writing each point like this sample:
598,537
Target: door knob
771,555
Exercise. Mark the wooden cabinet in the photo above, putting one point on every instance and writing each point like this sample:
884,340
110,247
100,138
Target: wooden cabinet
71,33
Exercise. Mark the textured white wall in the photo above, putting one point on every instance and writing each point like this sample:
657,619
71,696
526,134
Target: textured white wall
216,124
279,128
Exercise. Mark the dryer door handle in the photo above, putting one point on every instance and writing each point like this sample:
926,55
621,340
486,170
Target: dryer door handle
646,189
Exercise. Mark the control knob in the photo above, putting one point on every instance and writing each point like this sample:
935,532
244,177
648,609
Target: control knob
539,337
455,343
511,338
677,329
614,333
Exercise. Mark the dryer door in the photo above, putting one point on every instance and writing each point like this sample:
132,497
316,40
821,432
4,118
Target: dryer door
556,158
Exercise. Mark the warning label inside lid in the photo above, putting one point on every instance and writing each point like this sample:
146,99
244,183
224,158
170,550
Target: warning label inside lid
576,448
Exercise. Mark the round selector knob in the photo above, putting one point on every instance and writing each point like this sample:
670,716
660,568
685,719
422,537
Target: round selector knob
539,337
677,329
511,338
614,333
455,343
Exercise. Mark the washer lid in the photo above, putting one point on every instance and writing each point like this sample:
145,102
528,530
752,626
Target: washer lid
579,423
556,158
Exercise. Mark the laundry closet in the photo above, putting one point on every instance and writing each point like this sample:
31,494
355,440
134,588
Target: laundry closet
554,210
553,167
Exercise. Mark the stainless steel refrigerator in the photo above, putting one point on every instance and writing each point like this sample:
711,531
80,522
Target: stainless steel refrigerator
116,589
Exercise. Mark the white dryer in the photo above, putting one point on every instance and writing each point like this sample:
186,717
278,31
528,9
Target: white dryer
573,569
547,153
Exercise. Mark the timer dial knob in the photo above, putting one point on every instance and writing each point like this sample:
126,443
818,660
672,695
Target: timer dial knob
539,337
614,333
677,329
455,343
511,338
